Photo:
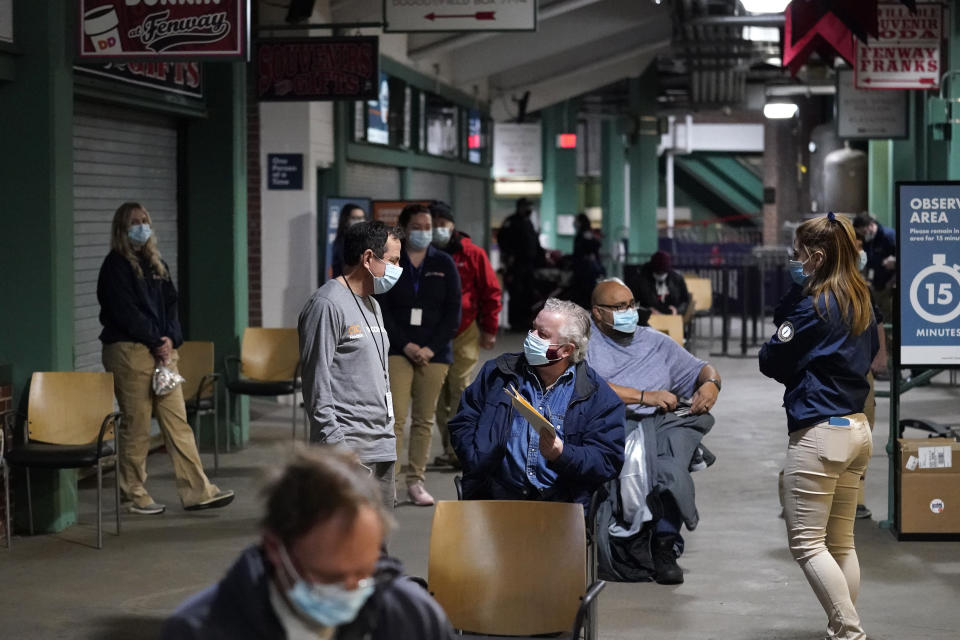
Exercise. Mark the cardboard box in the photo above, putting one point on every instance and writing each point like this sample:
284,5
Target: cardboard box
929,476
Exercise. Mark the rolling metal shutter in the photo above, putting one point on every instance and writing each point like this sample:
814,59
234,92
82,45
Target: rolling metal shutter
426,185
469,209
372,181
118,156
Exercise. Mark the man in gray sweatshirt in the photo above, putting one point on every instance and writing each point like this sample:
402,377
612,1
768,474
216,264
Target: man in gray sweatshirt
343,351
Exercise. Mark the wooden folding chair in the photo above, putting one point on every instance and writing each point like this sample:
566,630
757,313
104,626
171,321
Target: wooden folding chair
268,365
69,416
506,567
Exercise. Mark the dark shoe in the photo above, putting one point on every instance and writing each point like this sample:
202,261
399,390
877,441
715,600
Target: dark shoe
152,509
665,560
862,512
222,499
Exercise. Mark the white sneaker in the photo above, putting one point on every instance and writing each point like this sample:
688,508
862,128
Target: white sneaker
151,509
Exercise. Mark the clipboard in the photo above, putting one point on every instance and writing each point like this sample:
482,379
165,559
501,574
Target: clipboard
534,417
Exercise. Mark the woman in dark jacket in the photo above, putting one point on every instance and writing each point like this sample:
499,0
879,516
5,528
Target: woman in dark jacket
421,314
826,338
350,214
138,311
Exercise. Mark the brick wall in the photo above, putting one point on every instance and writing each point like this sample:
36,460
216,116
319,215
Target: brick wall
253,202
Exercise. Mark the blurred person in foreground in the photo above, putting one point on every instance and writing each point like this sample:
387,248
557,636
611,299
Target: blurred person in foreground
479,317
318,571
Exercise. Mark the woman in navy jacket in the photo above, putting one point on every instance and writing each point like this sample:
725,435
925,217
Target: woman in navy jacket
821,352
138,310
421,314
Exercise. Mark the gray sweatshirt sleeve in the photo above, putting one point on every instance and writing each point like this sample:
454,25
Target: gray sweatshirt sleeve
319,327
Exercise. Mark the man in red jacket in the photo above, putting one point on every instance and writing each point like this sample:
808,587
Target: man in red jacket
479,317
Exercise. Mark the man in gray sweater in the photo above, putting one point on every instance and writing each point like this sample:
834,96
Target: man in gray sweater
343,351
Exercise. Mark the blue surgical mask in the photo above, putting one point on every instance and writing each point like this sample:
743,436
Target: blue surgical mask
441,236
862,261
419,240
626,321
139,233
330,605
382,284
537,350
796,271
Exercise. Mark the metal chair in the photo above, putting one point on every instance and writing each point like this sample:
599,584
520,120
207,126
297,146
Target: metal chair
200,393
268,365
4,421
69,416
511,567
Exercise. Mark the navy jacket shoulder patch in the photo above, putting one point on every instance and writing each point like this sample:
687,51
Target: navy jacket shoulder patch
785,332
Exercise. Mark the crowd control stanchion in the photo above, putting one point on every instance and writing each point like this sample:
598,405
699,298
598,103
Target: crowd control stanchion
744,297
724,311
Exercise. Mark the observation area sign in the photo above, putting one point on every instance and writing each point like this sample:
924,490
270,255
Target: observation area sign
928,244
459,15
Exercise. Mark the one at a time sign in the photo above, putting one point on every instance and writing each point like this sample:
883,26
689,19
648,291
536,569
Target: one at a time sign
460,15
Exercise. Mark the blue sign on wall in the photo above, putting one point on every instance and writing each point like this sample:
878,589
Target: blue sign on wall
285,171
928,243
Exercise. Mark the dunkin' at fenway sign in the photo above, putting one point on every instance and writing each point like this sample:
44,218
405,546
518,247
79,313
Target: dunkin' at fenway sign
162,29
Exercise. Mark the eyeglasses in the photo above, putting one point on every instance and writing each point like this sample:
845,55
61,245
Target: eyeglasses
621,306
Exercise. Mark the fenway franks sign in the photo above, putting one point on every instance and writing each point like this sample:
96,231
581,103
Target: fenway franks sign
162,29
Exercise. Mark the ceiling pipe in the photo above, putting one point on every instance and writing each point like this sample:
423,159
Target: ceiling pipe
759,20
457,42
801,90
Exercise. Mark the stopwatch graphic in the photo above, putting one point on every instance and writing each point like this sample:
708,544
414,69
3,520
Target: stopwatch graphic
937,293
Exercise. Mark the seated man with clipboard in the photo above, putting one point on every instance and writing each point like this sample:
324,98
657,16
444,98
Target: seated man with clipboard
540,425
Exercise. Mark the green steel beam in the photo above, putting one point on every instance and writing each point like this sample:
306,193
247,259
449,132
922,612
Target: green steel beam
724,176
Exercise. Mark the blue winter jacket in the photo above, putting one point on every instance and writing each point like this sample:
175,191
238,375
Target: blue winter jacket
238,608
823,366
593,430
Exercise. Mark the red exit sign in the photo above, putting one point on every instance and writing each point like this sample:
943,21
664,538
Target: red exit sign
566,141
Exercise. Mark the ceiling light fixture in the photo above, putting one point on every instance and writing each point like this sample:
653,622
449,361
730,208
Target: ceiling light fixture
780,110
764,6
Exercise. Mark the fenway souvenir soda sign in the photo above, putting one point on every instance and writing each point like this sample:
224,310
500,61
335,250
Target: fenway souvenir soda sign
162,29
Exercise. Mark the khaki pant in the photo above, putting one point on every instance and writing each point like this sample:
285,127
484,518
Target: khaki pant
824,465
466,353
132,367
415,389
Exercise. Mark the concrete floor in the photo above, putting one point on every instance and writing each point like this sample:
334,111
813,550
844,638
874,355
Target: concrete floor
740,580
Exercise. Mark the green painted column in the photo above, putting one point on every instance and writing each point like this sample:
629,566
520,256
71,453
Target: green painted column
613,194
953,93
644,164
559,173
214,223
36,229
880,180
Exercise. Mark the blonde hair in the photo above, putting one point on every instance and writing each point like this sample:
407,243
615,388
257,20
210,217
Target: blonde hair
833,236
120,241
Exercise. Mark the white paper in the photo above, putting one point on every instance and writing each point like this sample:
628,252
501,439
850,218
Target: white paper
416,317
912,463
935,457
